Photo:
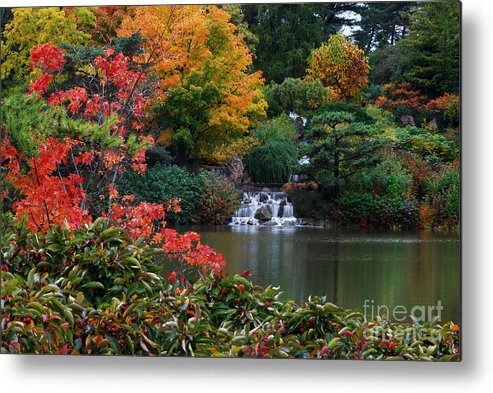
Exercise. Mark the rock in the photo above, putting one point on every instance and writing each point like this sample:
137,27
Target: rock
236,170
281,207
266,189
247,201
270,223
263,197
407,120
263,214
433,124
288,224
250,222
246,177
310,222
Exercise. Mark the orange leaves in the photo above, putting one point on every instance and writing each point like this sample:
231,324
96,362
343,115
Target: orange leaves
341,66
397,94
188,249
202,65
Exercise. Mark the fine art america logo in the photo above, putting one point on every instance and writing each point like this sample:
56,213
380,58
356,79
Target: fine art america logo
400,313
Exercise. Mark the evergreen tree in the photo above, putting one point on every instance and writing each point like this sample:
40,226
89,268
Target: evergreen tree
340,147
433,48
382,24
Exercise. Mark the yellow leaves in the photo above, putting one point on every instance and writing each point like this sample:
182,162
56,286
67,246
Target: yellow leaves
165,137
33,26
341,66
201,63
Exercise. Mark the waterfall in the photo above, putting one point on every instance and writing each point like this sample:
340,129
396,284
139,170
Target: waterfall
265,208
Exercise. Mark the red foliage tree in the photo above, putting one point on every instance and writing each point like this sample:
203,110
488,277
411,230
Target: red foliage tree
53,187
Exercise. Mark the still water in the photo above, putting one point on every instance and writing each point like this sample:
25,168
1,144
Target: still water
348,267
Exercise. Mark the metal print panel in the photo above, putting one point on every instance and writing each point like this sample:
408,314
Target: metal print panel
257,181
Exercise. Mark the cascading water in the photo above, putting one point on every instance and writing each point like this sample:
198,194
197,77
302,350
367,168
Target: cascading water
265,208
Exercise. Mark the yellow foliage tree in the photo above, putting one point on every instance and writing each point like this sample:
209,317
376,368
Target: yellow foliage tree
208,95
33,26
341,66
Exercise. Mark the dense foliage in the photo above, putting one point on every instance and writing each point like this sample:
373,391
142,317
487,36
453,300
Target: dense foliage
204,197
341,66
273,162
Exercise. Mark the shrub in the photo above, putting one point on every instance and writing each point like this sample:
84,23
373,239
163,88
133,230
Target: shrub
295,95
383,119
444,196
389,178
158,155
273,162
204,197
219,198
432,147
160,184
448,106
281,127
371,210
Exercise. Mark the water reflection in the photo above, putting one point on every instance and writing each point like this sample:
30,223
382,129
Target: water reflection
391,268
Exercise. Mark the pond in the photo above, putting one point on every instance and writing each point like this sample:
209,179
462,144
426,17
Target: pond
351,268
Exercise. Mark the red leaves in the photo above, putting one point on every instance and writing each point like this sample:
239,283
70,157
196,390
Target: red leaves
172,277
47,198
188,249
47,57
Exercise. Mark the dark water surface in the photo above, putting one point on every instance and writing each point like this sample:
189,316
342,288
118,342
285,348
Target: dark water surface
385,268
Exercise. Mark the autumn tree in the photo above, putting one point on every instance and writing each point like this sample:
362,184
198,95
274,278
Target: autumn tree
341,66
33,26
108,20
208,95
85,136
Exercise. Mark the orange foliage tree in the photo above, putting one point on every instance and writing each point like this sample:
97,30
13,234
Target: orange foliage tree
341,66
208,95
400,94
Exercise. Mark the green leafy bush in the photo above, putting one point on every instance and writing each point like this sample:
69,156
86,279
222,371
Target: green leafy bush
295,95
281,127
371,210
444,196
159,184
273,162
389,178
432,147
204,197
96,292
